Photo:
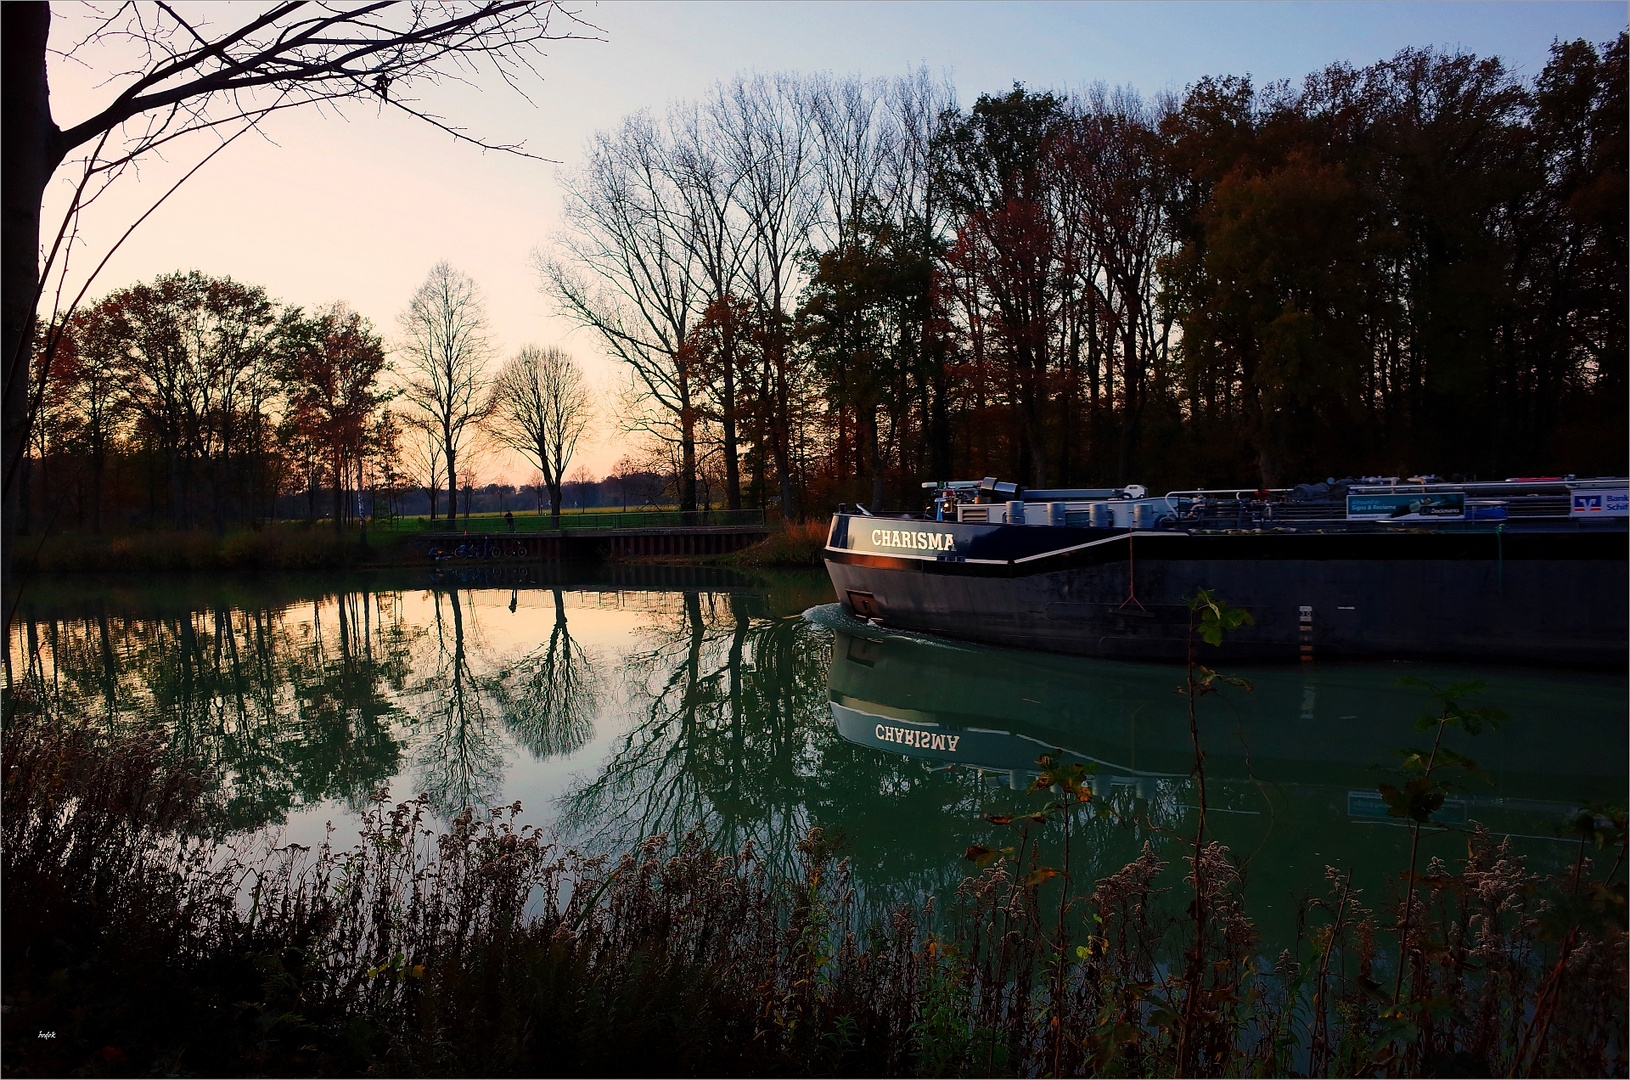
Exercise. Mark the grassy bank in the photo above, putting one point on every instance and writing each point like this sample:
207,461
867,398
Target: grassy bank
274,547
301,547
145,947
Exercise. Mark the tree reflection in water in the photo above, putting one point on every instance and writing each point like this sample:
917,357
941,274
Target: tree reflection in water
287,701
458,751
285,705
731,731
346,718
275,717
547,699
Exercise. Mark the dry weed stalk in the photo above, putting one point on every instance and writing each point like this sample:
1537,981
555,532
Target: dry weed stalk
484,948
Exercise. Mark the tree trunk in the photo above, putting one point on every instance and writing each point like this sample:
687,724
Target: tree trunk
756,493
687,447
29,153
99,463
727,410
1072,376
214,476
1033,372
373,500
1132,378
554,505
339,497
25,504
875,453
782,435
783,468
452,483
178,490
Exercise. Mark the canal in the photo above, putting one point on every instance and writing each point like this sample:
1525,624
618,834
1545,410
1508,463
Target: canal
619,702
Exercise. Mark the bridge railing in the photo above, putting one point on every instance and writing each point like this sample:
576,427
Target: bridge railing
660,519
581,520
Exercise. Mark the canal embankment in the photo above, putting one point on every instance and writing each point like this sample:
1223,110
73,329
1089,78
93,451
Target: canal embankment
295,547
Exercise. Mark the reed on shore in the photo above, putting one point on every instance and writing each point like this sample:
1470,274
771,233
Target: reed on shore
798,544
142,944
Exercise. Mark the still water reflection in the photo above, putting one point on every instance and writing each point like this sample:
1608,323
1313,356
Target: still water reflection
644,700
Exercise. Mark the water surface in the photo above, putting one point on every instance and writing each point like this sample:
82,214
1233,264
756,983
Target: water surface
625,701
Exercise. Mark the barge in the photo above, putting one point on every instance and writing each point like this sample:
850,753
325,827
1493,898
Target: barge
1529,571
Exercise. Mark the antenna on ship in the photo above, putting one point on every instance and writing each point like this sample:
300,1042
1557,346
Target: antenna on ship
1131,562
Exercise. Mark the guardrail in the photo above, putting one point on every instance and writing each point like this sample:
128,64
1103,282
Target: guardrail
661,519
576,521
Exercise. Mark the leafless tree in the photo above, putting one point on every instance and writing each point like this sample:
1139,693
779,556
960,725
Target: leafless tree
686,241
540,408
916,106
624,269
445,347
769,136
422,455
460,752
856,142
716,235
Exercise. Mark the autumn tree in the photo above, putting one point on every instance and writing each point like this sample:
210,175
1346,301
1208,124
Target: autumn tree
195,357
1566,357
329,367
1406,266
1414,265
859,324
995,172
95,395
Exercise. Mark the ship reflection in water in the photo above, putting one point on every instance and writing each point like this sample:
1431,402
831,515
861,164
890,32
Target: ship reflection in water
1292,766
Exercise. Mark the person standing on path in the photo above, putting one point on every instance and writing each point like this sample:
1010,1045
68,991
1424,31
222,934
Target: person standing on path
509,519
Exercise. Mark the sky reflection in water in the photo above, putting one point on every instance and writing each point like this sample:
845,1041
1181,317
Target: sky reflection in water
653,699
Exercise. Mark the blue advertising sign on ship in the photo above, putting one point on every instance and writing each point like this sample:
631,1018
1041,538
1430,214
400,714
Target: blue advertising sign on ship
1406,505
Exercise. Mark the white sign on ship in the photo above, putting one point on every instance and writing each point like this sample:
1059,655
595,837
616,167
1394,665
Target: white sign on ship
1602,502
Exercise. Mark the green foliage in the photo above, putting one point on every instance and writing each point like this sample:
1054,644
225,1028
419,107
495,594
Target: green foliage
1216,620
1601,824
1453,710
1425,789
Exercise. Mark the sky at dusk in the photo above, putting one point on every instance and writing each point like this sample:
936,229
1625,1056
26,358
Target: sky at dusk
358,206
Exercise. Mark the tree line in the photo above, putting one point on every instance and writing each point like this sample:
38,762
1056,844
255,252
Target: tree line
824,288
204,400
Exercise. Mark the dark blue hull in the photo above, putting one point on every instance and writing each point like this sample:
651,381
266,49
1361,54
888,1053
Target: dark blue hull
1541,594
